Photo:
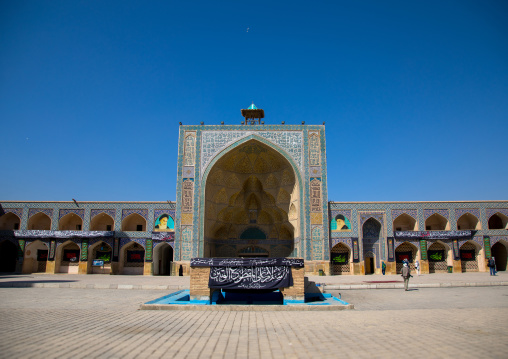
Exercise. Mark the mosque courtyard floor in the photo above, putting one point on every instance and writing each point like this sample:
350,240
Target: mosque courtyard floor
424,322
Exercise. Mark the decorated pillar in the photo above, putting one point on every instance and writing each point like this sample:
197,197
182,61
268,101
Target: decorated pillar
424,261
83,259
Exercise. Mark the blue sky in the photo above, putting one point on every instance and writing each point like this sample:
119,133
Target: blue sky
414,93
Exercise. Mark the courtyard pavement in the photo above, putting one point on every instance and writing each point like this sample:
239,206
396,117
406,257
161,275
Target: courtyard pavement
465,322
341,282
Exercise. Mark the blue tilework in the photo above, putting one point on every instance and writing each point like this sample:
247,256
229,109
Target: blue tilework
79,212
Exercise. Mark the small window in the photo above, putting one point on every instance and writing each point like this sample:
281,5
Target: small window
16,226
458,227
78,227
108,227
139,228
398,229
428,228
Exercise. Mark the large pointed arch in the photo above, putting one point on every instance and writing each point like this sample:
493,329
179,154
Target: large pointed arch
271,185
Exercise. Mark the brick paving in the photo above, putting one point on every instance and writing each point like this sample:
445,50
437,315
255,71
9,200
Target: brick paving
421,323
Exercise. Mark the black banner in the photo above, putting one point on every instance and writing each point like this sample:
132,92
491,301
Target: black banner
339,258
163,236
401,235
42,255
467,255
400,256
63,234
436,255
246,262
255,277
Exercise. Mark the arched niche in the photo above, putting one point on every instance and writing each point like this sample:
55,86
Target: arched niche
499,251
70,222
103,251
469,256
404,222
9,221
102,222
251,185
67,258
468,221
498,221
36,257
371,229
341,259
162,259
134,222
407,251
132,258
39,221
440,256
8,256
437,222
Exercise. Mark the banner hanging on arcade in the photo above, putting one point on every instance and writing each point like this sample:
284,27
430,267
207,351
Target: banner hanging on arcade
402,235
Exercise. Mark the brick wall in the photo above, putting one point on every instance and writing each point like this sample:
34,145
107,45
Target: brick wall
199,282
297,291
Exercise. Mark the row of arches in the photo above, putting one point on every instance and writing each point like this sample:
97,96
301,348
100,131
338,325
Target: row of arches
73,222
439,255
67,257
435,222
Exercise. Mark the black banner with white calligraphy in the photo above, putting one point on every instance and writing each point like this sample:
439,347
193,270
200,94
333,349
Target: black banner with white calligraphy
249,273
401,235
260,277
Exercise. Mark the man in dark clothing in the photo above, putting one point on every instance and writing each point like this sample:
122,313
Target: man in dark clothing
383,267
492,266
406,274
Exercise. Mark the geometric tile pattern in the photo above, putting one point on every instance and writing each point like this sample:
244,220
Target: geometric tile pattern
142,212
215,141
109,212
491,211
17,211
78,212
46,211
429,212
461,211
409,212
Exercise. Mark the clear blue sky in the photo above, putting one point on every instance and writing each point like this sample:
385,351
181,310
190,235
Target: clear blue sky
414,93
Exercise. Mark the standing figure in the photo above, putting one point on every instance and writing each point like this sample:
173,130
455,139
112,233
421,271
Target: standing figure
383,267
492,266
417,267
406,274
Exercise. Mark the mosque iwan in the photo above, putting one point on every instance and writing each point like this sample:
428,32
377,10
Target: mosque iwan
251,190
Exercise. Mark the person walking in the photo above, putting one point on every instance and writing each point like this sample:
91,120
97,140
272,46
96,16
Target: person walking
406,274
417,267
383,267
492,265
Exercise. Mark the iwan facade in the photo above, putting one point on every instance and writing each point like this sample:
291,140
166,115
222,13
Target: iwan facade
251,190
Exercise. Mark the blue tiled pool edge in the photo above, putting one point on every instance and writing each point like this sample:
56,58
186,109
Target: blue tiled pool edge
180,300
